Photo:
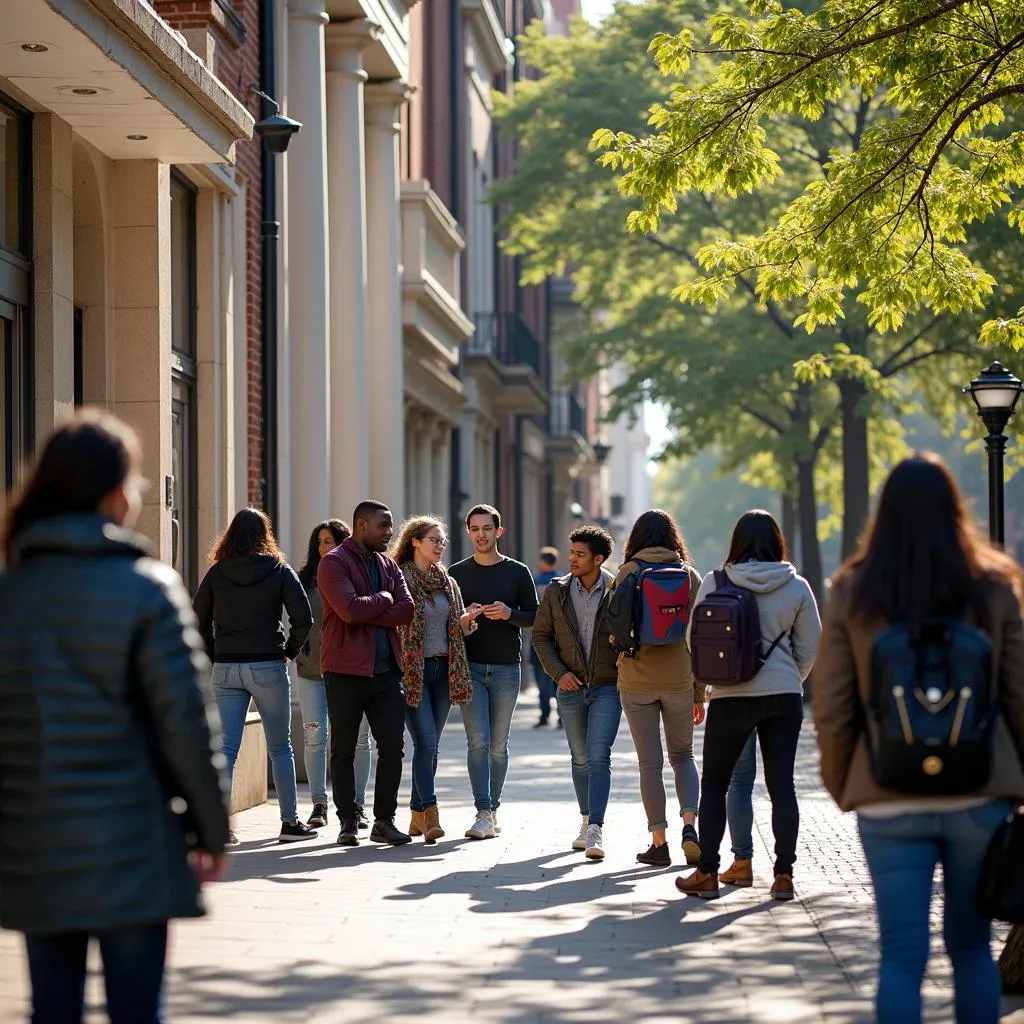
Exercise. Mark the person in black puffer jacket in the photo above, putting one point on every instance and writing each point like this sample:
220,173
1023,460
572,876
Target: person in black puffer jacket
109,782
239,604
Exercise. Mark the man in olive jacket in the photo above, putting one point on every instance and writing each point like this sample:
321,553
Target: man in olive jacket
571,639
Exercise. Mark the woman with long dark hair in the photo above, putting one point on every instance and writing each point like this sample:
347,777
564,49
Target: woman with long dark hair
240,604
770,703
923,561
112,810
658,690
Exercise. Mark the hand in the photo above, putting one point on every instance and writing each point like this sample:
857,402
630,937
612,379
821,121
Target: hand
569,682
286,660
206,866
389,596
475,609
698,714
497,610
468,623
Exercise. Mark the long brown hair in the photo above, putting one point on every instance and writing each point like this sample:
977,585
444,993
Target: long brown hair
249,534
414,528
339,530
922,556
655,528
757,537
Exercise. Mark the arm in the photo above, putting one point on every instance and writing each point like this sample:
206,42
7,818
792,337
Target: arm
337,589
1011,671
401,610
525,610
544,642
203,606
806,634
300,615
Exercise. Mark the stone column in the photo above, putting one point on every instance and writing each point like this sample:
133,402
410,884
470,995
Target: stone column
440,468
309,452
384,258
346,196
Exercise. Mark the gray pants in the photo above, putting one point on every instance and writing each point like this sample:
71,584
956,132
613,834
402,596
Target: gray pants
645,716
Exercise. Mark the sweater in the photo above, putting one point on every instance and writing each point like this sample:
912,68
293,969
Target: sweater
307,661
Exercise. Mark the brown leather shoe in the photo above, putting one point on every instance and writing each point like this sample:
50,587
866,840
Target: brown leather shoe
416,824
782,888
740,874
699,884
432,830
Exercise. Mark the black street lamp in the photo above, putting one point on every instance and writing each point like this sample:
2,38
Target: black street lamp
995,392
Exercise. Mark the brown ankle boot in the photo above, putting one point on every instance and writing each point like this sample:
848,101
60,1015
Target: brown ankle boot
699,884
432,830
740,874
416,825
782,888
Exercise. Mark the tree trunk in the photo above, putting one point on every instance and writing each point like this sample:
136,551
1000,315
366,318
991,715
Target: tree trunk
807,508
789,525
856,463
1011,961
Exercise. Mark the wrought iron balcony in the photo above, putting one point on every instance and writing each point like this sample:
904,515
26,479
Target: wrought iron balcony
566,415
506,338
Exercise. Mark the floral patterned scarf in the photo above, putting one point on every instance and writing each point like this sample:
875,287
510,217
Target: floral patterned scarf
423,585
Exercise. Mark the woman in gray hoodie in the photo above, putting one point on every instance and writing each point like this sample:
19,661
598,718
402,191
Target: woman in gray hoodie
770,703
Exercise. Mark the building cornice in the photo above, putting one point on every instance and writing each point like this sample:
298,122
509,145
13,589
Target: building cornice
489,30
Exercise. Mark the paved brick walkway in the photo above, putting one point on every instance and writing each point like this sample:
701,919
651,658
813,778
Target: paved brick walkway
519,929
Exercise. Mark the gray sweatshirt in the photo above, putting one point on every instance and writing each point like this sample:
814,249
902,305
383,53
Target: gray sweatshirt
785,604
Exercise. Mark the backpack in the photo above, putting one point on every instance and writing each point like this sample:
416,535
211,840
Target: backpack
931,708
725,638
650,608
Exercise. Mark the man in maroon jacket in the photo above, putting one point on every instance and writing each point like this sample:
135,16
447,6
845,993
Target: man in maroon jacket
365,597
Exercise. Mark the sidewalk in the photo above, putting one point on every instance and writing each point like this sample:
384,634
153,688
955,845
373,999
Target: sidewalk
519,929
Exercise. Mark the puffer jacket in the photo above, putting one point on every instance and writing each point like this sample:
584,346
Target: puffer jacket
108,736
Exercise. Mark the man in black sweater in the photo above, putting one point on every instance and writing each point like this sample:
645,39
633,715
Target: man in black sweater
505,589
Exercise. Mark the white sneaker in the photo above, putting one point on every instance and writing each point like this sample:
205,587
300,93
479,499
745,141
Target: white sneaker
483,827
595,842
580,842
494,823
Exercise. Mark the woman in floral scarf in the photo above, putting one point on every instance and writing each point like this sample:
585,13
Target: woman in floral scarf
434,666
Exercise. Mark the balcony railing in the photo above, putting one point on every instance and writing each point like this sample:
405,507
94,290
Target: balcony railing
506,338
566,415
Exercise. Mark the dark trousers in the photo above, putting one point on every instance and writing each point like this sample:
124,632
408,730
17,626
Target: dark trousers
133,974
776,719
382,699
547,688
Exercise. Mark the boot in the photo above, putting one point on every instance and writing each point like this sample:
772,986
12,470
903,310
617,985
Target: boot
740,874
416,825
699,884
431,825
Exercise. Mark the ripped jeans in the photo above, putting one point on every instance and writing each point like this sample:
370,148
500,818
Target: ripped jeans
313,701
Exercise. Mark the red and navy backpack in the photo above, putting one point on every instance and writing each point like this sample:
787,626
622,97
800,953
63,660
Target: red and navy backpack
650,608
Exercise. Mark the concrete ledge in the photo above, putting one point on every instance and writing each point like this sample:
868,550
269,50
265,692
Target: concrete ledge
249,786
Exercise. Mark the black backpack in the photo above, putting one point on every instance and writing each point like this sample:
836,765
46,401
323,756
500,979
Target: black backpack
931,708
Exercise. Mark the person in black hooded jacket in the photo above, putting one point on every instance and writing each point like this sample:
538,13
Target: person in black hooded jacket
239,606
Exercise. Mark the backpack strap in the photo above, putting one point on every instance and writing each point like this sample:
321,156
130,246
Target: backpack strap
721,579
775,643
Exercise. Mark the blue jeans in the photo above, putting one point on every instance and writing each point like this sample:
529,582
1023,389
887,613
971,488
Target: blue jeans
361,765
902,853
316,728
591,719
133,974
267,683
488,718
739,802
425,726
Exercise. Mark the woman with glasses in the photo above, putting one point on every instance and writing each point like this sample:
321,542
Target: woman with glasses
434,664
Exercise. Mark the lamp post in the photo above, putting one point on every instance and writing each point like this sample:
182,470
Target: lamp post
995,392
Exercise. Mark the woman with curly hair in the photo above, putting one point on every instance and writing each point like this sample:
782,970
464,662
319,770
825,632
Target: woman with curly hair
434,664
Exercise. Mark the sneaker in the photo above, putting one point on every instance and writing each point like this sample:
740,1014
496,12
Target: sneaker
295,832
482,827
349,834
580,842
699,884
691,845
362,821
595,842
656,856
388,832
782,888
318,819
494,823
233,840
541,724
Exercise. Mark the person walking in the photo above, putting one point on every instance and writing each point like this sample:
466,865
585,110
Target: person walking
504,588
923,562
239,605
435,670
112,807
547,570
770,703
657,690
739,813
570,637
365,599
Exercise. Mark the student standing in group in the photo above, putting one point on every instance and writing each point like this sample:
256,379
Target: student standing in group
923,564
365,599
106,726
504,588
435,670
570,636
547,570
240,605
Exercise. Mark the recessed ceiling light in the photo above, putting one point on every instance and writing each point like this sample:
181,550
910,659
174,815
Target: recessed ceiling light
34,47
137,138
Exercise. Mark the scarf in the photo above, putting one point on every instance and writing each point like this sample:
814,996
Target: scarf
422,586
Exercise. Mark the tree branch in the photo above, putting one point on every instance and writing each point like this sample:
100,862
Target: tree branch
761,418
884,369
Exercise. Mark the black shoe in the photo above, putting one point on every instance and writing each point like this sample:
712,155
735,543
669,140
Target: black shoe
691,845
558,724
542,724
388,832
362,822
318,819
349,834
656,856
295,832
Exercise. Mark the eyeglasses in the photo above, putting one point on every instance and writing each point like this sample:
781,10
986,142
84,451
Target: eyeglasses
438,542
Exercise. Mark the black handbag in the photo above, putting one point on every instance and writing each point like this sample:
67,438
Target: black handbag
1001,887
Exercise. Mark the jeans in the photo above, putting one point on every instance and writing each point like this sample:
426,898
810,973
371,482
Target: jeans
739,802
488,718
902,853
133,974
268,684
777,719
425,726
591,717
547,688
381,699
645,716
313,702
362,762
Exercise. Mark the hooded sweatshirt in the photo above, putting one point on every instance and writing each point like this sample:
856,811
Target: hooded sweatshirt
785,605
239,605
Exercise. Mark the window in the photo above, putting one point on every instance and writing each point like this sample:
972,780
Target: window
14,223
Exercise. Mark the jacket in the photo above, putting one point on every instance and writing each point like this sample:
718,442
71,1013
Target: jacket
842,681
353,612
786,607
556,636
307,661
658,669
105,719
239,607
